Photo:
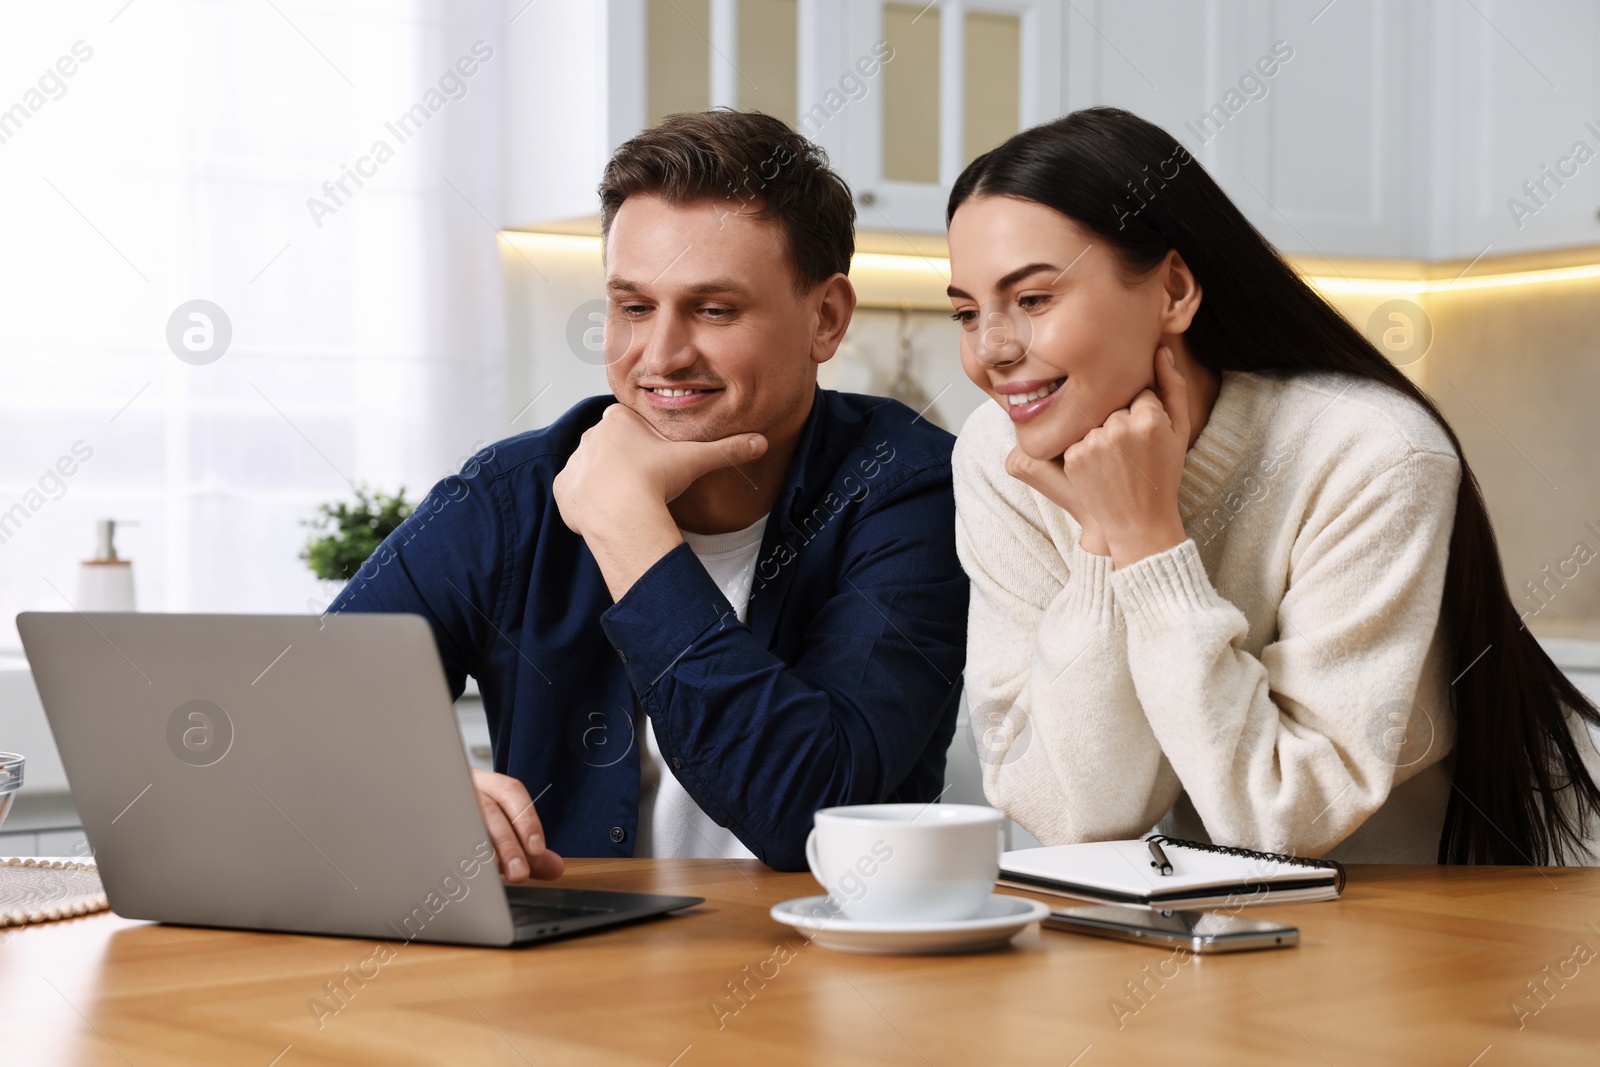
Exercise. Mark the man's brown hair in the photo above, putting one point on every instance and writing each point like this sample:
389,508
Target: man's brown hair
766,169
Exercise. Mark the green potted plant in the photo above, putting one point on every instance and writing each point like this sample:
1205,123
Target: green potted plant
345,534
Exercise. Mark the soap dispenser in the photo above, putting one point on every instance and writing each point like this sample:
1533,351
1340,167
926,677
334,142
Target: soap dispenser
105,583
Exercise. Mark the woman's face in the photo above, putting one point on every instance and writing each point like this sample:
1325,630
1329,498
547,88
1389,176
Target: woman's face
1052,329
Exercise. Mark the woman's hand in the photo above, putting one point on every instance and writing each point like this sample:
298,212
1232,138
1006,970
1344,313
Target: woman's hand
1049,479
1126,472
1121,481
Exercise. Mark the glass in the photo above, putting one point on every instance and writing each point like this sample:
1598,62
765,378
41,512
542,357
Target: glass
768,60
911,94
10,781
677,57
993,81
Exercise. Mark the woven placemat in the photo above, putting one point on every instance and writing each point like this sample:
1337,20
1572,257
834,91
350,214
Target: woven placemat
39,890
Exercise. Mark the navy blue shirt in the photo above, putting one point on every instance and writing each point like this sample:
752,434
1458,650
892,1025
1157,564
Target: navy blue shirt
841,687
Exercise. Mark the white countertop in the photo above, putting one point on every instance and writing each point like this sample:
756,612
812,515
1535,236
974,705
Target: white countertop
1571,654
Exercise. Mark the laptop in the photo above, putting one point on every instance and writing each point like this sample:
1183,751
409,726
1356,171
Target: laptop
292,773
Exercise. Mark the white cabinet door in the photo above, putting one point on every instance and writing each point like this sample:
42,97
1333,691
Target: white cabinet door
574,90
949,80
1312,117
1519,165
1340,164
1388,128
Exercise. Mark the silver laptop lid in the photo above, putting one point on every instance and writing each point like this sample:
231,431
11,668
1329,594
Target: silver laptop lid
278,772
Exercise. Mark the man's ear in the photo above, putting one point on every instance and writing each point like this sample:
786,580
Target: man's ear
1181,294
836,302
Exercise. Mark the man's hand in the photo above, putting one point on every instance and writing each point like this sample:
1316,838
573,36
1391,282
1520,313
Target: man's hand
615,489
514,828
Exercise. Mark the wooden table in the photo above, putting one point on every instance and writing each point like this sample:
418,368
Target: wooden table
1414,965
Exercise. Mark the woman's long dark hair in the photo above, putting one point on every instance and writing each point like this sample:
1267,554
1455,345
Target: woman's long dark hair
1135,186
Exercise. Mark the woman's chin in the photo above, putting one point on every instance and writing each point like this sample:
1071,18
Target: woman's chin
1046,438
1041,445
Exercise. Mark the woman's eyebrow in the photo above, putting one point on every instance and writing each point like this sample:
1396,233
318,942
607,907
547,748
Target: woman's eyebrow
1010,279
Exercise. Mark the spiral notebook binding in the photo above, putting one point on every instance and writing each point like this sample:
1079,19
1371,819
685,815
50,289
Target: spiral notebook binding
1276,857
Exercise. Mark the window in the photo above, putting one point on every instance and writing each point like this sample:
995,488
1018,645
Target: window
231,154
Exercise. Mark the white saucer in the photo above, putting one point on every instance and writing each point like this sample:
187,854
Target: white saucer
999,920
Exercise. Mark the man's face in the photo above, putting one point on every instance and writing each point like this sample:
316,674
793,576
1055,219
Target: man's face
704,334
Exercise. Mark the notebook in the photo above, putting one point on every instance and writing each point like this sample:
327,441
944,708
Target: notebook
1203,875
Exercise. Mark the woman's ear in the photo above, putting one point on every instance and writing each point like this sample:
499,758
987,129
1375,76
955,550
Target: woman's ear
1182,294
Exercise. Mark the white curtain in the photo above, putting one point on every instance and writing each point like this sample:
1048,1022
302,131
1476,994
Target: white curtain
156,152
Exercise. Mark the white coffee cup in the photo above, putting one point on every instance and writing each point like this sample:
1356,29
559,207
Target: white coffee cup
906,862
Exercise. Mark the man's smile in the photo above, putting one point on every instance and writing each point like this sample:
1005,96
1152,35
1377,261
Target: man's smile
676,396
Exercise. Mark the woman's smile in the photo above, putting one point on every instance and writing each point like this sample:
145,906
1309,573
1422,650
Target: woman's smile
1026,399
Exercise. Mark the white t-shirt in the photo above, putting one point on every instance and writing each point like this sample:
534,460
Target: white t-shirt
671,824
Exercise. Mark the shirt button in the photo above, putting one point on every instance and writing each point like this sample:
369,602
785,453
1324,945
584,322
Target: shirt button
677,764
618,834
623,656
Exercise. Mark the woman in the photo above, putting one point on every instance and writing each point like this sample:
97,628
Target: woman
1229,570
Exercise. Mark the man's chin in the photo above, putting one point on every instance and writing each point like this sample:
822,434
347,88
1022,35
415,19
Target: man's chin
684,424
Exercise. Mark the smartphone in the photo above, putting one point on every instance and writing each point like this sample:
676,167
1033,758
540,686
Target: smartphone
1201,932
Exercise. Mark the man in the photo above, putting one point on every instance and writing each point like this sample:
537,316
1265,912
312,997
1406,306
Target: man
706,606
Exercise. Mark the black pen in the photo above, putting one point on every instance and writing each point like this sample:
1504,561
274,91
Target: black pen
1160,862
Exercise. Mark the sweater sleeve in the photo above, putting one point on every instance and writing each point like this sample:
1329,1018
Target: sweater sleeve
1295,749
1065,747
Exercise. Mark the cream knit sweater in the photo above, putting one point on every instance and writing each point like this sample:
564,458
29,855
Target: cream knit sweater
1275,682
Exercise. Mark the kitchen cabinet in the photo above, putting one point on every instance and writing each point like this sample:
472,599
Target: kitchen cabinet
1518,164
1358,128
1392,129
954,79
574,90
1317,130
901,95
